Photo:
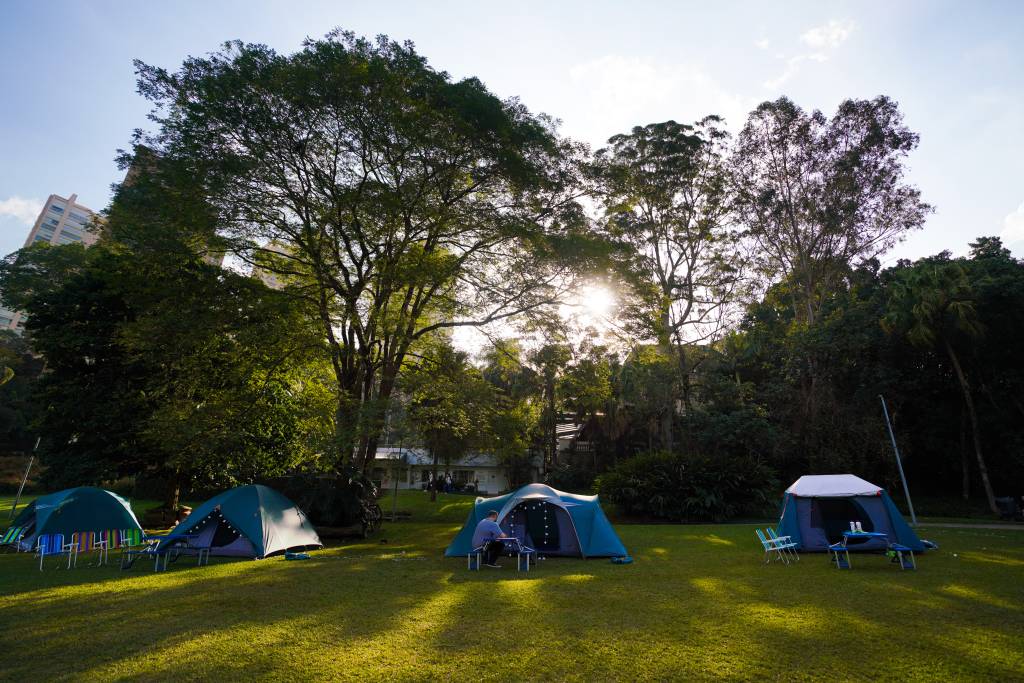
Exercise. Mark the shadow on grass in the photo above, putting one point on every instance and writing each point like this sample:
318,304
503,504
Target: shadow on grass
689,608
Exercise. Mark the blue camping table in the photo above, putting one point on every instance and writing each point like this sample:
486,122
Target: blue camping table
182,544
513,546
153,549
841,551
523,552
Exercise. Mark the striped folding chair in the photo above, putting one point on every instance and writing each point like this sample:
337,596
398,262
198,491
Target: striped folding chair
86,541
104,541
131,538
13,536
48,545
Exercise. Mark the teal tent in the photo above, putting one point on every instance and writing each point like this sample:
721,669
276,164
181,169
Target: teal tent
249,521
552,522
817,509
84,508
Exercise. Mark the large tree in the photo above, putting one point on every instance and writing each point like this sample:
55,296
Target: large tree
666,193
396,200
818,195
160,363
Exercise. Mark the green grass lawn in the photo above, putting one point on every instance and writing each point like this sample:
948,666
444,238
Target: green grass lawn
697,603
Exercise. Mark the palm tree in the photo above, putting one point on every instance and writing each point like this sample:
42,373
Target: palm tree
932,303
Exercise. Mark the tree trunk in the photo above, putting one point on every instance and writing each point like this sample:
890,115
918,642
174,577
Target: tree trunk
346,426
552,437
964,460
969,402
433,478
173,495
666,429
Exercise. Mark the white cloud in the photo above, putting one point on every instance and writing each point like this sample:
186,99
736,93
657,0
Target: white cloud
763,44
24,210
830,35
1013,227
614,93
793,67
824,39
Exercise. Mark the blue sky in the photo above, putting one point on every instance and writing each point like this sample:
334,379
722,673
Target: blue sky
68,101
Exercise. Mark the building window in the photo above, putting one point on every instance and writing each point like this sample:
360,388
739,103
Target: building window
53,221
78,217
56,209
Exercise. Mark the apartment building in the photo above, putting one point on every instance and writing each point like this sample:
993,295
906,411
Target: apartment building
62,221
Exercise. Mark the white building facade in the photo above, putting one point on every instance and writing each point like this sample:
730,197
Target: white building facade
413,468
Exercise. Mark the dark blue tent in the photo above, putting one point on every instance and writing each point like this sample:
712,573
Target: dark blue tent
554,523
818,508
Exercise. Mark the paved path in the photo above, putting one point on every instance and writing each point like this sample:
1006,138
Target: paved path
949,525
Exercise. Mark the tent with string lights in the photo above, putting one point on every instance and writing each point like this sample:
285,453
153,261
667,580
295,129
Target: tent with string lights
552,522
249,521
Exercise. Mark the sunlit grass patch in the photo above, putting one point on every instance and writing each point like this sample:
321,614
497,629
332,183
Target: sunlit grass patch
697,603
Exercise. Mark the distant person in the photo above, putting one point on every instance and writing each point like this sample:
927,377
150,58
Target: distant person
488,534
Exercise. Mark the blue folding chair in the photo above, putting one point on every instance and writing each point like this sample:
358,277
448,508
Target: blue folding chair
48,545
784,542
770,547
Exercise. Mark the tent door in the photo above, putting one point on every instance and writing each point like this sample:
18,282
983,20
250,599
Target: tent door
544,526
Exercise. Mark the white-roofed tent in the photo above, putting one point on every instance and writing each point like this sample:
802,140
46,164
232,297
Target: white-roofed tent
832,486
817,508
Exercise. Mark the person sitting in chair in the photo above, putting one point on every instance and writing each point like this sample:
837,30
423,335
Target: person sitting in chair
488,534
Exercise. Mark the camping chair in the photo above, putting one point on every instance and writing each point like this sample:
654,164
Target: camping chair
130,538
105,541
13,536
770,547
784,542
87,542
53,544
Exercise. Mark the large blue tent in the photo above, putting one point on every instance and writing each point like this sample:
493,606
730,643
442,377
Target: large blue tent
552,522
816,510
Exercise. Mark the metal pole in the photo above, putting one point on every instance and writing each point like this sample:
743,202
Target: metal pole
21,488
899,465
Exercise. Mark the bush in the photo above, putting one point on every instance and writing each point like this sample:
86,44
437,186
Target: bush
684,488
571,478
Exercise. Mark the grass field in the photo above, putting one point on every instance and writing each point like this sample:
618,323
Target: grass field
697,603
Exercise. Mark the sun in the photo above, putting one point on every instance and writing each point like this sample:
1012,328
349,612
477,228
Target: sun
597,301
